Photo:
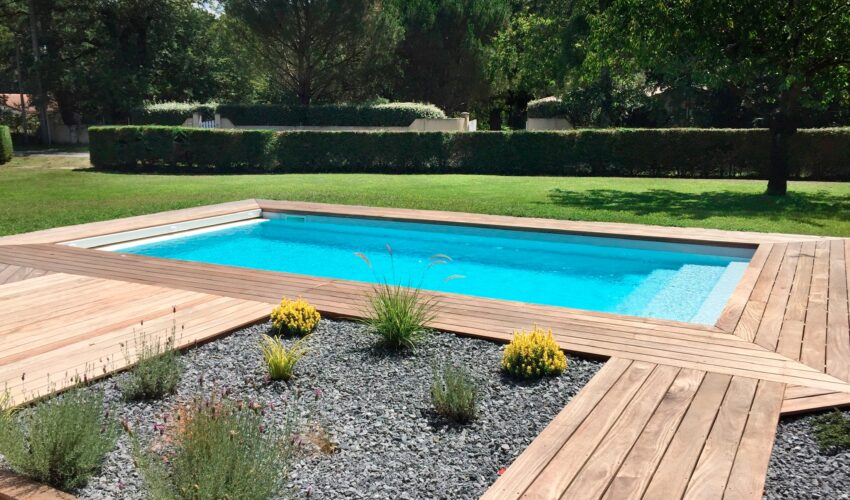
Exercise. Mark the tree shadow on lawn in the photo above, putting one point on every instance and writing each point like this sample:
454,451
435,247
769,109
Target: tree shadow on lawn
806,208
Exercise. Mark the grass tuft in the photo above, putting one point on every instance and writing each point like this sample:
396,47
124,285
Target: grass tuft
61,442
454,393
281,361
399,315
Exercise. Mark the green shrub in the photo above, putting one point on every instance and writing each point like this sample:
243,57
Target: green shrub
157,371
61,442
454,393
5,144
170,113
815,154
548,107
832,431
220,449
281,361
396,114
399,315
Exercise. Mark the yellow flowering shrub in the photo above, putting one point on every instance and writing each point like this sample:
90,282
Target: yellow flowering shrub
295,317
533,354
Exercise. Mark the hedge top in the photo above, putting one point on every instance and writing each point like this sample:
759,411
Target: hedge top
394,114
5,144
548,107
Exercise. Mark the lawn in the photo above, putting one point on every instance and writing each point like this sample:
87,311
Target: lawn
39,192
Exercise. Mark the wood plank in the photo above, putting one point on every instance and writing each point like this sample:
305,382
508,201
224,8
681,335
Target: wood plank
16,487
813,351
674,471
636,471
728,319
807,404
754,310
746,480
838,322
718,454
790,339
563,467
601,467
767,334
525,469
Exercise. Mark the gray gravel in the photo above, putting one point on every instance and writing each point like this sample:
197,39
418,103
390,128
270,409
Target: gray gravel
373,406
798,469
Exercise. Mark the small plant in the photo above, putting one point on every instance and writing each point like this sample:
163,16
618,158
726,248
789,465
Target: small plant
399,315
157,371
279,360
832,431
61,442
533,354
295,317
217,449
454,393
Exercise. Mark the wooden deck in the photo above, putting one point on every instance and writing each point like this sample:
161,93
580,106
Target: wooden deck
680,410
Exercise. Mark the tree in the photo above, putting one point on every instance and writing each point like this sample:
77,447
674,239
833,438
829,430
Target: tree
783,54
444,51
320,49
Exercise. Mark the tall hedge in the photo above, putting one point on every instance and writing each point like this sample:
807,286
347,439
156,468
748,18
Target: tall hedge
394,114
5,144
816,154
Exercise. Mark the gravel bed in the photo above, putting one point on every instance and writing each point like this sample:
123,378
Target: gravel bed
799,469
374,407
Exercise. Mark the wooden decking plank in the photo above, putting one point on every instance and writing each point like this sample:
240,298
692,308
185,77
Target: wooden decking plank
793,324
748,324
674,471
715,463
525,469
728,319
636,471
563,467
838,321
767,334
602,466
816,402
813,352
746,480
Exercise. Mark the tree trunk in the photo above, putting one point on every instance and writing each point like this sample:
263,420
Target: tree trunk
40,96
783,126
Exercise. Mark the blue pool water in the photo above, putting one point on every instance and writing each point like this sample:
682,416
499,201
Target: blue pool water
640,278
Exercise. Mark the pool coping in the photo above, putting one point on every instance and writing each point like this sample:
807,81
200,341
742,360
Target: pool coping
754,337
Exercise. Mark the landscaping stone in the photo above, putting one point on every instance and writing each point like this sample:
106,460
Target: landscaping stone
800,470
373,407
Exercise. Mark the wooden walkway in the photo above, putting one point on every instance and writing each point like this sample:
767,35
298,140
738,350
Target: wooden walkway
680,410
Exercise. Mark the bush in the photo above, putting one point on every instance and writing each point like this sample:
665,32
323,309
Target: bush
61,442
399,315
295,317
180,148
219,449
281,361
454,394
832,431
157,371
548,107
5,144
533,354
170,113
815,154
396,114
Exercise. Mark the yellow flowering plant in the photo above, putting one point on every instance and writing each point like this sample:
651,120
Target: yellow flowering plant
533,354
294,317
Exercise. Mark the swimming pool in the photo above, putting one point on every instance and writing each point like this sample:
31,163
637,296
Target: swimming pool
684,282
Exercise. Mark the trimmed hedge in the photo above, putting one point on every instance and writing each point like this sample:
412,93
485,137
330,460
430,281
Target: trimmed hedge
816,154
394,114
169,113
5,144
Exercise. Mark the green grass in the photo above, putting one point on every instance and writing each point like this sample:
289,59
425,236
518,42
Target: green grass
41,192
